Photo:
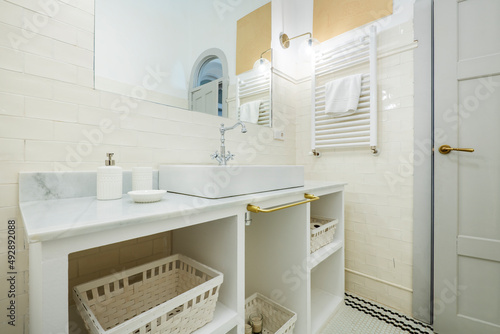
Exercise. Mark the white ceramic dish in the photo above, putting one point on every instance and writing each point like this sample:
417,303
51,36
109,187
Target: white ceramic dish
146,196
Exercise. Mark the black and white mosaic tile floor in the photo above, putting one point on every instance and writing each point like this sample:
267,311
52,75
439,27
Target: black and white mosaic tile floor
361,316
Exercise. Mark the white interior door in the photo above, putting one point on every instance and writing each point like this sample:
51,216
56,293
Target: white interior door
467,185
205,98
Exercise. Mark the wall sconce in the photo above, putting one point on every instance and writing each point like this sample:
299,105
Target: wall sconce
285,40
262,63
306,48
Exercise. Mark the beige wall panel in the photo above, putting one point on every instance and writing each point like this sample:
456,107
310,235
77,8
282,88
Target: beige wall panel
253,38
334,17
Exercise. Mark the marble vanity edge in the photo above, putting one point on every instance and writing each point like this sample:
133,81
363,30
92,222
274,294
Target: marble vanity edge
40,186
62,218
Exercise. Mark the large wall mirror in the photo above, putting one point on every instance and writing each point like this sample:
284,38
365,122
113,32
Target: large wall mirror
191,54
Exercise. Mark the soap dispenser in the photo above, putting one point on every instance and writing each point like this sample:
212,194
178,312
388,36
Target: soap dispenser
109,180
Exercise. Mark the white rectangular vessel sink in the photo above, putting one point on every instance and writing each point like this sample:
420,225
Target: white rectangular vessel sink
212,181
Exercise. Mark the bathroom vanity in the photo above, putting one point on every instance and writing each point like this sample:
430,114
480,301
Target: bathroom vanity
257,252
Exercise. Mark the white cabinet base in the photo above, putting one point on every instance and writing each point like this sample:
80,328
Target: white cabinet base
278,263
271,256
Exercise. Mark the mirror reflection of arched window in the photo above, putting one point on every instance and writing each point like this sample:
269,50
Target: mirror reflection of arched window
209,83
211,70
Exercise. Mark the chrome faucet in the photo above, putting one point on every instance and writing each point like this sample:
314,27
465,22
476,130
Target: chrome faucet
222,158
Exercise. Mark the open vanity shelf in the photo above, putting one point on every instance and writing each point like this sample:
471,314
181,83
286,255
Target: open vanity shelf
279,263
270,256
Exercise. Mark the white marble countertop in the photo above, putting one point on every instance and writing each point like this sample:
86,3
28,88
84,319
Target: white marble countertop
61,218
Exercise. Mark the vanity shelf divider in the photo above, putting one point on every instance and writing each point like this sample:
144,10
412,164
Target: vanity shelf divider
324,252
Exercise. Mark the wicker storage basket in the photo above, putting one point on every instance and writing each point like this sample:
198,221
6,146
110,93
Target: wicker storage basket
172,295
322,231
277,319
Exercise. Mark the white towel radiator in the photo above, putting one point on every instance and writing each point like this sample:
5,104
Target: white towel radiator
360,128
256,85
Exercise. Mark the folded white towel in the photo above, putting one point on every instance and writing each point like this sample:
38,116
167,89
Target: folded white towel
342,96
249,112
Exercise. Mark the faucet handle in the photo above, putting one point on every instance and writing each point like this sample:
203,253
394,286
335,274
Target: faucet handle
215,155
229,156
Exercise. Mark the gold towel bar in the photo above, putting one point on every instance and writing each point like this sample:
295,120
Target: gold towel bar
256,209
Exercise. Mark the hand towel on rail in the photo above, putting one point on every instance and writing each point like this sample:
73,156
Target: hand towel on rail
249,112
342,96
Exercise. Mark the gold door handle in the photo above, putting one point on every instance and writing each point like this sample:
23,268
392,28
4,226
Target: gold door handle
256,209
445,149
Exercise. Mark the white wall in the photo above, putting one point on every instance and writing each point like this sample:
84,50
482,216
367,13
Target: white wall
379,194
51,119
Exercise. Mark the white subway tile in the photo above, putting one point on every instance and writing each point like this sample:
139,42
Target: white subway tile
63,166
390,233
71,155
61,32
85,77
11,13
11,104
45,151
110,101
11,59
25,128
407,57
167,156
9,170
74,133
49,68
85,5
407,236
137,122
38,21
76,94
75,17
8,34
20,40
9,195
33,5
38,45
74,55
121,137
180,115
401,246
11,149
154,140
211,131
94,116
169,127
85,40
388,62
51,110
24,84
140,155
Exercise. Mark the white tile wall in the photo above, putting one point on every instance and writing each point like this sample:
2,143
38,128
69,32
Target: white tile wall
50,110
379,196
48,107
51,117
